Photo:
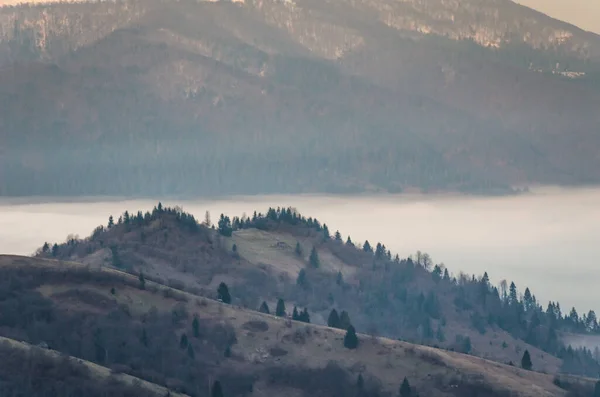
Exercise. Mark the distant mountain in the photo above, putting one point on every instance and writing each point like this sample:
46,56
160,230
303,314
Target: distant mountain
152,97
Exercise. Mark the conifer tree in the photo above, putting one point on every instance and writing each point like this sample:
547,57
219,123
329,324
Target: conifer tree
295,314
55,250
344,320
405,389
111,222
360,383
349,242
304,316
223,293
351,339
217,391
526,361
338,236
264,308
597,389
301,280
196,327
326,234
280,309
142,281
298,249
144,338
183,341
314,258
367,247
446,275
333,320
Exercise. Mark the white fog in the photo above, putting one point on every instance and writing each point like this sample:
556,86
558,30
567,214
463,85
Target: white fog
548,240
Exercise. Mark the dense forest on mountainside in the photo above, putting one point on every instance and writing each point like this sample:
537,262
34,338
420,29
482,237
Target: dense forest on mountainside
409,299
146,98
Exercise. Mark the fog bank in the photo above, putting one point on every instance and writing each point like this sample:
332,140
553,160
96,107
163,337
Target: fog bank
547,240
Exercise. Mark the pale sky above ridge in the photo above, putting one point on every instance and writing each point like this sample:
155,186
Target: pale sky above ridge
582,13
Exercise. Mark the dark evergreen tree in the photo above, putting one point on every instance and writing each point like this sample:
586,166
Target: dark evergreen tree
439,335
344,320
314,258
144,338
217,391
360,383
264,308
223,293
526,361
183,341
405,389
334,319
367,247
326,234
304,316
196,327
301,280
224,226
46,247
55,250
295,314
116,259
298,249
111,222
446,275
351,339
338,236
126,218
349,242
597,389
280,309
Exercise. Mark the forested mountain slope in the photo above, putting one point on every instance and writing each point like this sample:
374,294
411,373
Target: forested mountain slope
281,255
147,97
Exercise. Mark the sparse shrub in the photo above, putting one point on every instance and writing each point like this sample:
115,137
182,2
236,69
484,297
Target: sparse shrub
277,351
256,326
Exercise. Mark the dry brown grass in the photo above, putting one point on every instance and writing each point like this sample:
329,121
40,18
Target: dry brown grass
98,371
265,341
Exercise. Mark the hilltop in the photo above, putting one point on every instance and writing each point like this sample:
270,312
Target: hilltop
186,342
145,97
284,255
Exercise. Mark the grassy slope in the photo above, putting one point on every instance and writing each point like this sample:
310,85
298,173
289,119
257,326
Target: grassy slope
313,346
260,247
98,372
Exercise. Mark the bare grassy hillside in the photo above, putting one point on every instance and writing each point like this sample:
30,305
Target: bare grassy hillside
277,356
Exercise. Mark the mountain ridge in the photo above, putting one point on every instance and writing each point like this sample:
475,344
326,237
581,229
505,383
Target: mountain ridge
287,91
